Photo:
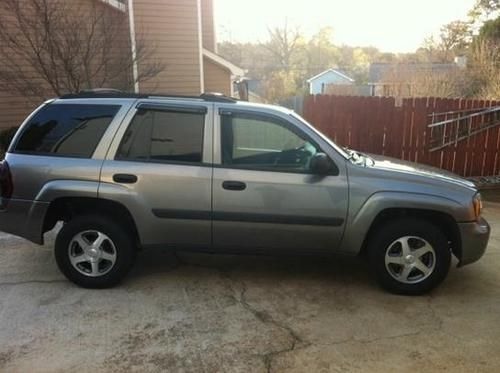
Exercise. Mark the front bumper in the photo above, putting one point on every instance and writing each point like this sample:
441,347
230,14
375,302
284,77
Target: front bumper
23,218
474,237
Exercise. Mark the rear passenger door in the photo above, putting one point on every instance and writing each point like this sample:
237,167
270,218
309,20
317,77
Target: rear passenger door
159,167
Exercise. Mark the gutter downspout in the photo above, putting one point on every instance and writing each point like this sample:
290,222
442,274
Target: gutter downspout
133,45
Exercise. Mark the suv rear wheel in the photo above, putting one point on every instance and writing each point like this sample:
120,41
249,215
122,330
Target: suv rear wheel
94,252
409,256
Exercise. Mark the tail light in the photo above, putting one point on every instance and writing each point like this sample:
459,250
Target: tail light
6,185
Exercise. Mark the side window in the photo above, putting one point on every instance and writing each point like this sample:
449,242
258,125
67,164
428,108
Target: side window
70,130
169,136
257,142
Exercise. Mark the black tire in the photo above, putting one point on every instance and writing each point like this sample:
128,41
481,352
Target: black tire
393,230
124,250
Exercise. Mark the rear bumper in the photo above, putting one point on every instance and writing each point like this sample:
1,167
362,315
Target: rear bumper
23,218
474,238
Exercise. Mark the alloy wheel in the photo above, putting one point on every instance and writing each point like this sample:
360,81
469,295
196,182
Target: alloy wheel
410,259
92,253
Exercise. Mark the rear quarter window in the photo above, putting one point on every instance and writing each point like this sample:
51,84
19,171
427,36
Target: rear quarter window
71,130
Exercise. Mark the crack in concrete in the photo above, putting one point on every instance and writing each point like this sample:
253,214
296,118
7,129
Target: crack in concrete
353,339
14,283
296,341
267,319
262,316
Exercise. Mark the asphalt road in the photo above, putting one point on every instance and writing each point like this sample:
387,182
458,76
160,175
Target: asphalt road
203,313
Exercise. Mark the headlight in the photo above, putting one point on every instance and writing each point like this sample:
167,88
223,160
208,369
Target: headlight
477,202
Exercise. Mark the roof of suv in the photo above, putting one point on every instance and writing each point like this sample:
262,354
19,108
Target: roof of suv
209,97
205,97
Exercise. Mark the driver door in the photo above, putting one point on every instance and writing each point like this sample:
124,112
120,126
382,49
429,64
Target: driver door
264,194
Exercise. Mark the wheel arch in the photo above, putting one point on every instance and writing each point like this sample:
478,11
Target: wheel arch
380,206
66,208
443,221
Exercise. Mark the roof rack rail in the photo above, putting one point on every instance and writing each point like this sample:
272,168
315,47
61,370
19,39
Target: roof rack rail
217,97
115,93
102,93
101,90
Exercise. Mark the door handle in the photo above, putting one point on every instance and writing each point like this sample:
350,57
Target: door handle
124,178
234,185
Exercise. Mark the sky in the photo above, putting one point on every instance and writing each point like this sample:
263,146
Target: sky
390,25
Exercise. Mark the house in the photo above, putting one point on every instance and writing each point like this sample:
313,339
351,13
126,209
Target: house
406,79
318,82
182,36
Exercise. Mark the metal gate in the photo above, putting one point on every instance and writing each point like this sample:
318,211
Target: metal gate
451,127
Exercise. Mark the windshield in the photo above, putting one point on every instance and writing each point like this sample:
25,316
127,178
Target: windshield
339,149
349,154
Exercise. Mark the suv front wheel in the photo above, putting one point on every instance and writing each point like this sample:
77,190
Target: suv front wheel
94,252
409,256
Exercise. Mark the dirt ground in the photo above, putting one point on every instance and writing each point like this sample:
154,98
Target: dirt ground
203,313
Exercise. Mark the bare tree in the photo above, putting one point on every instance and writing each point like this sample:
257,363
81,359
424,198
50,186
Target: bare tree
484,69
453,40
422,80
484,8
283,45
52,47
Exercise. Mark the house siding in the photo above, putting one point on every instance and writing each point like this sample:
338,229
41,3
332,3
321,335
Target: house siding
208,25
172,29
14,107
175,30
217,78
316,85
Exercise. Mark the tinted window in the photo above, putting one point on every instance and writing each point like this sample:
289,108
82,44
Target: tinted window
257,142
168,136
66,130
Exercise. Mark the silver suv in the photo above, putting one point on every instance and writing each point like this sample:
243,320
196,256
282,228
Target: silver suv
128,172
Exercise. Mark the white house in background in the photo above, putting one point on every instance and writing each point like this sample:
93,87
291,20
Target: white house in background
331,76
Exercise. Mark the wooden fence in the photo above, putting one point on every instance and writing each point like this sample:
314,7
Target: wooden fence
380,125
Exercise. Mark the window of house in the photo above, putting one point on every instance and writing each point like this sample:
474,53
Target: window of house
168,136
71,130
257,142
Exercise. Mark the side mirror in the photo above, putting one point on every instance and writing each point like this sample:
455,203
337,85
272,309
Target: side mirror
321,164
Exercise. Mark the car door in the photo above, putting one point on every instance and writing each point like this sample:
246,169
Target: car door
264,194
160,167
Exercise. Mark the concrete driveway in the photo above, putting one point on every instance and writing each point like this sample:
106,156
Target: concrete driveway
201,313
